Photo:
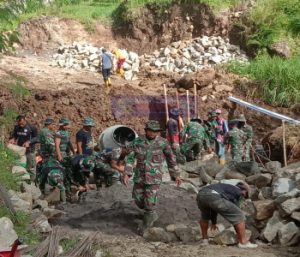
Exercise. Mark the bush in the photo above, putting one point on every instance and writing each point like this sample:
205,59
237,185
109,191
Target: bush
278,78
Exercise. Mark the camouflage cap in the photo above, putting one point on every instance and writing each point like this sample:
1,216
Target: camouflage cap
48,121
241,118
153,125
64,121
196,119
88,122
218,111
88,164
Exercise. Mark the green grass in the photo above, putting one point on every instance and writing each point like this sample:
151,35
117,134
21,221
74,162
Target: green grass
8,118
29,237
18,87
278,79
68,243
276,20
89,11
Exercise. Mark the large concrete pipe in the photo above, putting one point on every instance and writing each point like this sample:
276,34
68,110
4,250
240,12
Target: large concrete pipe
116,136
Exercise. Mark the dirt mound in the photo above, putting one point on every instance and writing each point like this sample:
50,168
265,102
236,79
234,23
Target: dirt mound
156,26
275,141
48,33
111,210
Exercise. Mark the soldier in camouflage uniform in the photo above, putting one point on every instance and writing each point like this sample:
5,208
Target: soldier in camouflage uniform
108,167
53,175
50,171
82,166
149,151
64,148
193,137
235,138
247,129
47,150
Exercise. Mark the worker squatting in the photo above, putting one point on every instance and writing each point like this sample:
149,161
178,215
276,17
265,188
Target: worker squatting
61,166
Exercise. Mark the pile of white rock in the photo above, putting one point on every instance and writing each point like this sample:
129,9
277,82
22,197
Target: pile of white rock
193,55
84,56
180,57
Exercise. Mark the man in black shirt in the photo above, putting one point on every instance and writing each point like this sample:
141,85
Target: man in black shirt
26,135
224,199
84,138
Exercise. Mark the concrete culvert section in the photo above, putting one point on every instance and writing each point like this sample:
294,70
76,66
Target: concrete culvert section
116,136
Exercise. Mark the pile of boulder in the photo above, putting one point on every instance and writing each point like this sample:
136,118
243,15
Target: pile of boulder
84,56
181,57
193,55
273,213
28,200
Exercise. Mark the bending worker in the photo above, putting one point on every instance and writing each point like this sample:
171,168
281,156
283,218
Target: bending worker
224,199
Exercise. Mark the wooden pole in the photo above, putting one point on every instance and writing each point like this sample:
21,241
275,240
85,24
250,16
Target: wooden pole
195,99
188,105
284,143
166,103
177,98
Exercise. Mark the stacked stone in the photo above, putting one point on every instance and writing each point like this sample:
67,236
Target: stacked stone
193,55
274,209
87,57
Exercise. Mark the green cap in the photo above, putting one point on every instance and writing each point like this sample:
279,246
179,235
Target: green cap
153,125
233,121
64,121
241,118
213,114
88,122
48,121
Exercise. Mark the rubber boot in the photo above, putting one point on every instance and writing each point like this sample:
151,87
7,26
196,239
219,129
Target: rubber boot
109,81
63,197
121,72
222,161
149,219
106,83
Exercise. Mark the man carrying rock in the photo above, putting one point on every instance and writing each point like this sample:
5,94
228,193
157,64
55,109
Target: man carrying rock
84,137
247,129
193,137
107,65
120,60
149,151
26,135
223,199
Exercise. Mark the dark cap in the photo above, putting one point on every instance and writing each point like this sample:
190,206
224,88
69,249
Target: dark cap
48,121
20,117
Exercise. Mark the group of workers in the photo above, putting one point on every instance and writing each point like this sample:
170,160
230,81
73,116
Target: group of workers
215,133
142,160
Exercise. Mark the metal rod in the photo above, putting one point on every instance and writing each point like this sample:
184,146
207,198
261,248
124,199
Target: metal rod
166,103
188,105
284,143
195,99
262,110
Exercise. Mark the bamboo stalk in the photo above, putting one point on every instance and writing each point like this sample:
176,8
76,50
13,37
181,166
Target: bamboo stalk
177,98
166,103
195,99
188,105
